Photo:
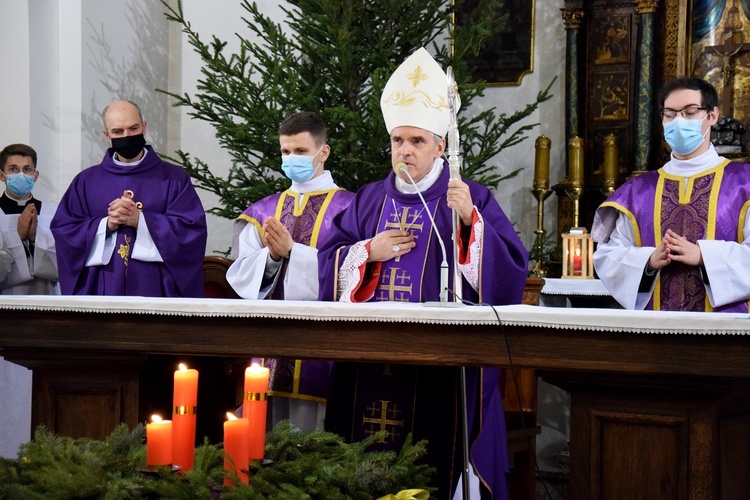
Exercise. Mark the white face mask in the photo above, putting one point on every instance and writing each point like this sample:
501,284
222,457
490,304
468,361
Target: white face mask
299,168
19,184
684,136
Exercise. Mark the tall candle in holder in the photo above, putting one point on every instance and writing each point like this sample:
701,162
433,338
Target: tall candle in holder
255,407
611,167
158,442
575,160
541,160
185,399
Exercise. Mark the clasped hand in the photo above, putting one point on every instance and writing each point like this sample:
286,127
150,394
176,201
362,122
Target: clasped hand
122,212
27,222
675,248
278,239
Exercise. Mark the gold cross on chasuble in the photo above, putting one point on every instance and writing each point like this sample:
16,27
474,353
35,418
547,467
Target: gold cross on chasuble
379,417
390,287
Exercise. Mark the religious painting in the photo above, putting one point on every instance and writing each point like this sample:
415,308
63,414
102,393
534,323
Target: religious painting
611,37
506,57
611,96
720,54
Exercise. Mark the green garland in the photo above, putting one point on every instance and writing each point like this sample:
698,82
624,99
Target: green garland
302,465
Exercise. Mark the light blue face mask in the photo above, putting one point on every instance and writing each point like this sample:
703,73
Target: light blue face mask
19,184
299,168
684,136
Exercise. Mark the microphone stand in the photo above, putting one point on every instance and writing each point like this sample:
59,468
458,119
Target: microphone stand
454,162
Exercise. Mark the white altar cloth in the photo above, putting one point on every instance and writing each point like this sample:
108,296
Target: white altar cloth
616,320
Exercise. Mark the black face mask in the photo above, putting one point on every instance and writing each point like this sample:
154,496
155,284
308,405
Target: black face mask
128,147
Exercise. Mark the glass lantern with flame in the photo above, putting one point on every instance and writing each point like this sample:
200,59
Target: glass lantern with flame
578,251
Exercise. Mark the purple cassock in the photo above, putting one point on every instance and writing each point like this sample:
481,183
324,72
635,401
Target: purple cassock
309,224
174,216
424,400
714,209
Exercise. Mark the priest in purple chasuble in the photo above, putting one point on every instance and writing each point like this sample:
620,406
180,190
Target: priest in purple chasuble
132,225
678,238
384,248
275,257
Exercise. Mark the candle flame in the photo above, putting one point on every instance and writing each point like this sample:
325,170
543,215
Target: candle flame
231,416
155,418
183,367
578,252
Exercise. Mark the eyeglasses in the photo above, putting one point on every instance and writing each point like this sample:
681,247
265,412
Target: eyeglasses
687,112
14,169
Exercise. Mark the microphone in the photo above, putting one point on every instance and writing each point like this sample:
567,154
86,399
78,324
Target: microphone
401,166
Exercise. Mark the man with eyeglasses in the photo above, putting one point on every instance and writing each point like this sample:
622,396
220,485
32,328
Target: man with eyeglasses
678,238
28,262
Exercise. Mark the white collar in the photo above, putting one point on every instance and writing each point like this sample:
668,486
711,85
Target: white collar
132,163
693,166
319,183
424,183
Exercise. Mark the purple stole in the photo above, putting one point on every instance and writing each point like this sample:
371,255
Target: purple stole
308,224
712,207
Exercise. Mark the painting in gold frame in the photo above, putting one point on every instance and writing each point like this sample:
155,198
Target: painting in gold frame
508,56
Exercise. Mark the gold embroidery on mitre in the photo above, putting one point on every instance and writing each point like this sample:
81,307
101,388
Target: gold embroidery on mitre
417,76
401,99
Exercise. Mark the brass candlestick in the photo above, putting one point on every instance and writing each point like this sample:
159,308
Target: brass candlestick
540,191
575,190
608,188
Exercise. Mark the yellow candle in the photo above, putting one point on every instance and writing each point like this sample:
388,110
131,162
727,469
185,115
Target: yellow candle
236,448
159,442
575,159
541,159
185,400
255,406
611,168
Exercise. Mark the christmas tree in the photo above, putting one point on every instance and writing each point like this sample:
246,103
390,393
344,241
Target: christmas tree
333,57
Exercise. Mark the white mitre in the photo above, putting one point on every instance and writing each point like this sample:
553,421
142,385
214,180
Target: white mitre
416,95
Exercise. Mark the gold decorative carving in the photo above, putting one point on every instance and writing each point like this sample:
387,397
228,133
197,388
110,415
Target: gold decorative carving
572,18
646,6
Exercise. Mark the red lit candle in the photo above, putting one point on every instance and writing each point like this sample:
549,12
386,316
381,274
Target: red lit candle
159,442
183,417
577,267
236,448
254,407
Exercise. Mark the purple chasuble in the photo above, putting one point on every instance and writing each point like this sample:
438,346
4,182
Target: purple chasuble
358,391
309,224
174,216
710,208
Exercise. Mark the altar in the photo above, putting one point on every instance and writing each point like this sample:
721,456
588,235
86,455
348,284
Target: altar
660,406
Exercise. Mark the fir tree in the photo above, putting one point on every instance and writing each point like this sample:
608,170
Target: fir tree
309,464
334,59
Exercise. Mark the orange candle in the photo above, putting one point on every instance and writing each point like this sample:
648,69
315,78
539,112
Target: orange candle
236,448
158,441
254,408
185,400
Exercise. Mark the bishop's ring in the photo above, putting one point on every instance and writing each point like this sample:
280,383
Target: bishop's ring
396,248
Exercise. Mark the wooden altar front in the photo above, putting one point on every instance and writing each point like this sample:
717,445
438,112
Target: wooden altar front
660,401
